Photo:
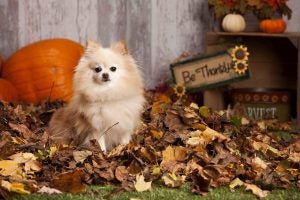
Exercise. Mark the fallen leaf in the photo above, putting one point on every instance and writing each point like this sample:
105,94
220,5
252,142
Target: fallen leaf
200,182
168,154
69,182
121,173
236,182
171,180
258,164
9,168
156,134
140,185
21,128
256,190
48,190
156,171
204,111
52,151
80,156
14,187
23,157
177,153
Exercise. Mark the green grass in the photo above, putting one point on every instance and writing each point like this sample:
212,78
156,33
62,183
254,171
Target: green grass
160,193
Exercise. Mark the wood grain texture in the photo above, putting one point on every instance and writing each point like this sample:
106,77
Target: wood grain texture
8,29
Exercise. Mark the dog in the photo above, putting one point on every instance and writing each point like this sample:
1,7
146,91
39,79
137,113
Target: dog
107,102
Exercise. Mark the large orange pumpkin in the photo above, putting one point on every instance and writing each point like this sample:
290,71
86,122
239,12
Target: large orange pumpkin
43,70
272,25
7,91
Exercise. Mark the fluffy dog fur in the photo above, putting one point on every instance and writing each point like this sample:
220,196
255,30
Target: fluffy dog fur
107,102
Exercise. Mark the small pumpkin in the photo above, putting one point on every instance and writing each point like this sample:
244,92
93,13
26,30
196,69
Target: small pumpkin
43,70
7,91
233,23
272,25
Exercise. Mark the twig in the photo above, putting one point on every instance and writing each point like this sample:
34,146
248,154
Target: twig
106,131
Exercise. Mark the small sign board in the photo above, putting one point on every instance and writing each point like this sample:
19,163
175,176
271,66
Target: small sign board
207,72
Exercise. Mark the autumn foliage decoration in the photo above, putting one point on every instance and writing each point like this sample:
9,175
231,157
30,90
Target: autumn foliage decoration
43,70
263,9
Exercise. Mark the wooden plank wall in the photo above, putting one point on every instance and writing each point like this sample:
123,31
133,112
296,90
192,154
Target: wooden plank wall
157,31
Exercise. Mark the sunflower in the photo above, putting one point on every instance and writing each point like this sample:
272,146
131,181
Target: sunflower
240,67
239,53
179,90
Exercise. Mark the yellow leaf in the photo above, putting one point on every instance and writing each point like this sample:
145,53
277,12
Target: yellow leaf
168,154
52,151
9,168
236,182
256,190
140,184
204,111
14,187
156,134
156,171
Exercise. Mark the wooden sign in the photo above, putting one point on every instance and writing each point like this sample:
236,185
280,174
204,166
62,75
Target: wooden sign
209,71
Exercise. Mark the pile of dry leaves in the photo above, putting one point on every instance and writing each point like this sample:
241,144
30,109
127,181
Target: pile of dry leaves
177,142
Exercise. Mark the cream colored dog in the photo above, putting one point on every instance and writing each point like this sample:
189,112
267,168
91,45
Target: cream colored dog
107,102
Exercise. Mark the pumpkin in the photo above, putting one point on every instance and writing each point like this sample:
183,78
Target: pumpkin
233,23
272,25
43,70
7,91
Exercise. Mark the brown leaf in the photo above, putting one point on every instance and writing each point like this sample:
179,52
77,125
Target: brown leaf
200,183
69,182
21,128
121,173
148,154
107,174
177,153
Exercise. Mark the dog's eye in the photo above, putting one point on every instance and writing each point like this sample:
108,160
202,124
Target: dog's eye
113,69
98,69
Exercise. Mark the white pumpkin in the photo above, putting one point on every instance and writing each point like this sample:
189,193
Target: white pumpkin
233,23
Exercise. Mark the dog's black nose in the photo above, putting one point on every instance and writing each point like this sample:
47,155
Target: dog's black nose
105,76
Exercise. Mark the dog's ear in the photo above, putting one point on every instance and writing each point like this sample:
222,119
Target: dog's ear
91,45
120,47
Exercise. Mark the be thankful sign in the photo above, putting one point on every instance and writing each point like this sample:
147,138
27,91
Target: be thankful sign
212,70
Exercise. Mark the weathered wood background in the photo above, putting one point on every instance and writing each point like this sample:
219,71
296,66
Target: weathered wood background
157,31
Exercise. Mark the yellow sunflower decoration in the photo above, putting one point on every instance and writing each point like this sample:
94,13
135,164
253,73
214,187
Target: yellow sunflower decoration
240,67
239,56
240,53
179,89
